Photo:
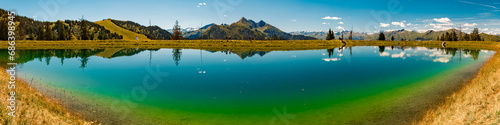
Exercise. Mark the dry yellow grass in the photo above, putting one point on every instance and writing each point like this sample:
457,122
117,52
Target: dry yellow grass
127,34
476,103
33,108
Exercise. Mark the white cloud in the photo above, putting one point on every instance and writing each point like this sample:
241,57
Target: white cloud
409,24
401,24
441,26
384,25
331,18
436,26
331,59
293,20
400,55
442,60
470,25
442,20
485,29
340,23
389,30
340,28
384,54
324,23
201,4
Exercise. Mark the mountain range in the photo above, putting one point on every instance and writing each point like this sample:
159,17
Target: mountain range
243,29
398,35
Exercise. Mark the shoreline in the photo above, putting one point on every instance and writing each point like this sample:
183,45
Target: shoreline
432,115
475,103
259,45
33,107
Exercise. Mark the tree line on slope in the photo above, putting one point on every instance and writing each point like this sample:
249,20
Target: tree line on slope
29,29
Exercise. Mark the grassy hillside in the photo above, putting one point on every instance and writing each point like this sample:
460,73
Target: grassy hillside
488,37
127,34
59,30
152,32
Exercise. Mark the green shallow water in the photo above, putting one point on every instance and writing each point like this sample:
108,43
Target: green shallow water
342,85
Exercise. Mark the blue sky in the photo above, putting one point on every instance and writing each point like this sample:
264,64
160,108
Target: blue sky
288,15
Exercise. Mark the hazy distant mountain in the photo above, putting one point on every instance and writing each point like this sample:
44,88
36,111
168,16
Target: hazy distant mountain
322,34
196,33
244,28
244,54
398,35
189,29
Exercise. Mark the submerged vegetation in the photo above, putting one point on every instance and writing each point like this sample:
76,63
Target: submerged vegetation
33,106
476,103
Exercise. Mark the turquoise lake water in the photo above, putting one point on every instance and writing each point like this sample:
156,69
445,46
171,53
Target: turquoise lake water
248,87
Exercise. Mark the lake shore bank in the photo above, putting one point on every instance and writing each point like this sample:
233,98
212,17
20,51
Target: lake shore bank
478,102
33,107
473,96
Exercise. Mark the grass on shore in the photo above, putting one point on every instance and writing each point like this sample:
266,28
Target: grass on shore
32,107
476,103
258,45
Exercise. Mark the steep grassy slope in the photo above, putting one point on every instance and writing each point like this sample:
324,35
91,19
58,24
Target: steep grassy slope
152,32
127,34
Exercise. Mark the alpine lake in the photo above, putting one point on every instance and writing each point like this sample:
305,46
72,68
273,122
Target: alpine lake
345,85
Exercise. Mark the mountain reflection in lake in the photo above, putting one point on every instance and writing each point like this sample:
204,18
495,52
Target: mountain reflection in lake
248,86
84,54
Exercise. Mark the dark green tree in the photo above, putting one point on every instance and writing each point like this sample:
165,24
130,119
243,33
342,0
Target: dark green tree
381,36
330,52
466,37
61,31
176,55
3,29
447,37
392,38
40,33
85,30
329,35
48,35
177,33
350,35
474,36
381,49
20,31
453,36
